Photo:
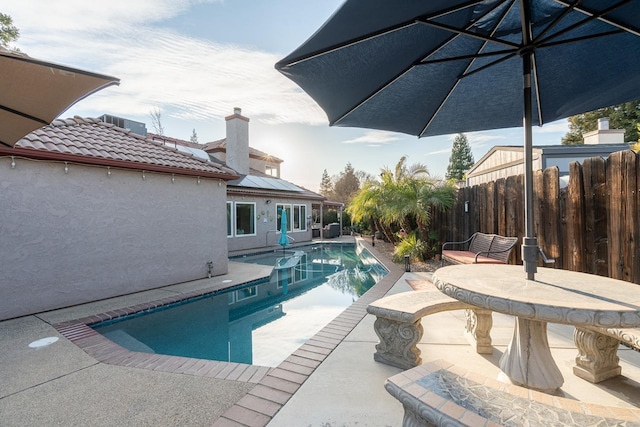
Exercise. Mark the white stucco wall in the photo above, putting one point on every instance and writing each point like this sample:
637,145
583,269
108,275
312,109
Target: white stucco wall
70,238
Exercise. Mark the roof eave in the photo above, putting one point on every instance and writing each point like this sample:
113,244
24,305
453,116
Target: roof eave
96,161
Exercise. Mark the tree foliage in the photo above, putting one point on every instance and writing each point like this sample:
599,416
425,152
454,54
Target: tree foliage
326,185
346,186
623,116
8,32
194,137
461,158
403,198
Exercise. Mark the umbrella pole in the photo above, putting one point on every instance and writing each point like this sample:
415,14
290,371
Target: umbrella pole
529,241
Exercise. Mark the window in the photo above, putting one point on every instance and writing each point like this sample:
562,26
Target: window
246,293
296,216
229,219
299,217
271,170
284,276
245,219
287,208
301,269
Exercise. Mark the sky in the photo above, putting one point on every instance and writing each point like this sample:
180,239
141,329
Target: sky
196,60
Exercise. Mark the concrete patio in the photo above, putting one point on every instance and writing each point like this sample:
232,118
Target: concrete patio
61,384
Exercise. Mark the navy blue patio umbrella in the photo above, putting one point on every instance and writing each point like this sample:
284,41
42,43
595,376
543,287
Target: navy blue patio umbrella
439,67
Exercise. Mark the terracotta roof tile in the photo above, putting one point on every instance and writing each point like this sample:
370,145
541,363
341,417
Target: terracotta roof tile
88,140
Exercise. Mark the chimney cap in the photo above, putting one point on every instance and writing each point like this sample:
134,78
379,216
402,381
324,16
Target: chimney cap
237,114
603,123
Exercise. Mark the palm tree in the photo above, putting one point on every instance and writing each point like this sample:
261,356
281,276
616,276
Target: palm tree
403,198
366,205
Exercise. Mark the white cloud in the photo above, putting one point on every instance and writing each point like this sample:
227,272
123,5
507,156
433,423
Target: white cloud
374,138
442,151
561,126
186,78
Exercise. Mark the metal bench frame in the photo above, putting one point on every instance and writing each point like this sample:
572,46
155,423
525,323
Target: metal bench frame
491,246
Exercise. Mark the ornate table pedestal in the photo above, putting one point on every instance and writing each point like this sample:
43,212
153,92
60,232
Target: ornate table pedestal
528,361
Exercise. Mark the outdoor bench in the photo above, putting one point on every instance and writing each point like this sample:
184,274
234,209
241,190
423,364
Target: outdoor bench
480,248
398,325
442,394
597,358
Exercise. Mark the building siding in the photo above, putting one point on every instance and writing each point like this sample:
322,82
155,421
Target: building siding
84,235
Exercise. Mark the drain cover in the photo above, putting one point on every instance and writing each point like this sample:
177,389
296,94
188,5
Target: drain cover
43,342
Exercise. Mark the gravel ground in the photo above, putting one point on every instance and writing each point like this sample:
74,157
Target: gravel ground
387,249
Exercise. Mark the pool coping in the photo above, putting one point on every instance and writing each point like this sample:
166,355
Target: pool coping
274,386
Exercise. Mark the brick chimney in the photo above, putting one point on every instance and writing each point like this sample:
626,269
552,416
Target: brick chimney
238,142
604,135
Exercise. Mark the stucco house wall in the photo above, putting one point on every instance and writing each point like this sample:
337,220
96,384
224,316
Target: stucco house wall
85,235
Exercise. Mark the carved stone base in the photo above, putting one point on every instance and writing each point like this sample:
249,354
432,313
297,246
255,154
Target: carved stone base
398,343
597,358
478,329
528,361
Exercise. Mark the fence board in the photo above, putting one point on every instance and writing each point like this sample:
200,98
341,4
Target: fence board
615,214
491,208
574,218
595,208
501,206
551,221
539,210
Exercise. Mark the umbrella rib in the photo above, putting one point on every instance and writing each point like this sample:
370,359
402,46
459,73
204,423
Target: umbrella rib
25,115
600,15
592,17
463,57
578,39
26,58
467,73
312,55
467,33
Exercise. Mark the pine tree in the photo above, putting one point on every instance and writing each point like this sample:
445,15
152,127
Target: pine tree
194,137
461,158
326,185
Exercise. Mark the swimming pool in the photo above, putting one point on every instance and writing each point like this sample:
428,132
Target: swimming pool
258,323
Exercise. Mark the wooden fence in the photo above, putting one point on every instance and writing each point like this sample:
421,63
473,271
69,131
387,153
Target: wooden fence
591,225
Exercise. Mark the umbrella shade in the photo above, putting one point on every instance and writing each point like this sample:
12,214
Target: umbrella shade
284,240
440,67
33,92
446,66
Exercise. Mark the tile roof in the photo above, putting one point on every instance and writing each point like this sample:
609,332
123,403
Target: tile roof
91,141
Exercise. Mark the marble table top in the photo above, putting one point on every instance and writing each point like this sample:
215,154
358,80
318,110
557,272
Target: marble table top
556,296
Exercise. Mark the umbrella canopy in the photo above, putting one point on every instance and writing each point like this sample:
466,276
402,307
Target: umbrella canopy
284,239
447,66
33,92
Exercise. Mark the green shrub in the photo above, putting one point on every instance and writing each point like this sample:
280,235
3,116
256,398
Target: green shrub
412,246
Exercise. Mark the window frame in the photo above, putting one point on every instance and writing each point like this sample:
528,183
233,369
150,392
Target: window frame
230,219
294,211
254,221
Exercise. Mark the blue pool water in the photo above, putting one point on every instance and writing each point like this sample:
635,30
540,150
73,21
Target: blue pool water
261,323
